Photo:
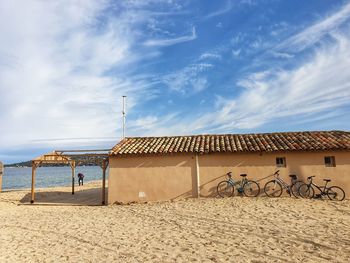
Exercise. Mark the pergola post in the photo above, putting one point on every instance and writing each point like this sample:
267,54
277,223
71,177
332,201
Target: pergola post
72,165
33,182
104,167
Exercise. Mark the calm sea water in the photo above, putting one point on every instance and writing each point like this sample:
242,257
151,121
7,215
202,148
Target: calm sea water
16,178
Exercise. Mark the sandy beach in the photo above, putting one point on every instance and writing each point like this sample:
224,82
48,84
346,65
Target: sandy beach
59,229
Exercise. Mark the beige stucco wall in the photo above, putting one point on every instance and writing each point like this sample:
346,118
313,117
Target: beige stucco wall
260,167
150,178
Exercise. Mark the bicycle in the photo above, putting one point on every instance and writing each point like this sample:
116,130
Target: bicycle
306,190
247,187
274,188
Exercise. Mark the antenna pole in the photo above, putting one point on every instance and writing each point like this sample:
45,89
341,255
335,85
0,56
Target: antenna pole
124,115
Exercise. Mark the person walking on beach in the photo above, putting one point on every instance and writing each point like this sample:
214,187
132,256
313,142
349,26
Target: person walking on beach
80,179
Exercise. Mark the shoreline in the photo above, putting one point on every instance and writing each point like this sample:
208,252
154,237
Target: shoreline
50,187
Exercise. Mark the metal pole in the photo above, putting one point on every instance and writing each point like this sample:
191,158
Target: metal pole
124,115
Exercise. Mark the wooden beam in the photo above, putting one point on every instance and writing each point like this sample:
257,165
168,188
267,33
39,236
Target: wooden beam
87,155
104,167
34,165
66,156
72,165
71,151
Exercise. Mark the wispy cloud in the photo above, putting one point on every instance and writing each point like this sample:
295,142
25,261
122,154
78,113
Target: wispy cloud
282,55
55,80
208,55
308,91
65,65
188,80
171,41
225,9
314,33
236,52
315,88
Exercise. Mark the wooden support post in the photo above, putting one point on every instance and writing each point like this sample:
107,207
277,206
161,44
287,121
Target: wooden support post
33,182
72,164
198,177
104,167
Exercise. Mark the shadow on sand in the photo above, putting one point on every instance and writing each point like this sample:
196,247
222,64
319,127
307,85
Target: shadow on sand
88,197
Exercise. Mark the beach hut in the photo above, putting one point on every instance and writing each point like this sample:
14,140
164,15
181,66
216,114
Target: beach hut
1,174
145,169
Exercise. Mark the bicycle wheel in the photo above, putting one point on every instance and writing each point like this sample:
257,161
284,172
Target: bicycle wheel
295,187
225,189
306,191
273,189
251,189
336,193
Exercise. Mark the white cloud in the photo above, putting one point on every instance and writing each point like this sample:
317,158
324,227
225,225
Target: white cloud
171,41
209,56
236,52
53,75
238,39
248,2
316,87
188,80
153,125
316,32
224,10
314,91
282,55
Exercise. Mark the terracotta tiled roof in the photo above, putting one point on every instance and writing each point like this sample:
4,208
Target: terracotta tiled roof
263,142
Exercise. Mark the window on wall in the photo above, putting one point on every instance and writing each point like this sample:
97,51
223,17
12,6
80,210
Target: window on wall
329,161
281,162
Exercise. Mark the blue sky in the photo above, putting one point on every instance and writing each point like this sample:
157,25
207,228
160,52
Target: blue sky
187,67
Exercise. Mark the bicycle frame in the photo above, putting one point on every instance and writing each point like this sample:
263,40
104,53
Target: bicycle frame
322,191
281,181
238,184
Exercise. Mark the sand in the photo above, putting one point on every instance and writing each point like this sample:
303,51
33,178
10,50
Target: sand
59,229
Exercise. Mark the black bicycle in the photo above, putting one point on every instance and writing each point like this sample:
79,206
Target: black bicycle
274,188
307,190
247,187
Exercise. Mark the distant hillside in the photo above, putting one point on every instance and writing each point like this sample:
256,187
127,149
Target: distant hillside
22,164
87,161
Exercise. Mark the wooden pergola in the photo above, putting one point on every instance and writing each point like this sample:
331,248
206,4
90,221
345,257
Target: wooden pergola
73,158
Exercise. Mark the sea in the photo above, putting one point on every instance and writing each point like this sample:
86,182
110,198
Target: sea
21,177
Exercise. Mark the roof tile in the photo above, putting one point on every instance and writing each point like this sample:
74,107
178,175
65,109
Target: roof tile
264,142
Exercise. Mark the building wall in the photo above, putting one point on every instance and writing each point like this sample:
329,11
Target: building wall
150,178
260,167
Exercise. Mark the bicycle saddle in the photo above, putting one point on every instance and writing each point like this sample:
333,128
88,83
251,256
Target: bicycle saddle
292,176
327,180
243,175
